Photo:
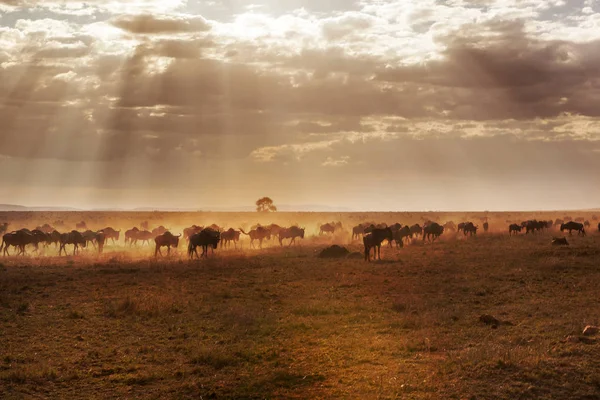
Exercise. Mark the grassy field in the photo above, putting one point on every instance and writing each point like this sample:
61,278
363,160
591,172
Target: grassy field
283,323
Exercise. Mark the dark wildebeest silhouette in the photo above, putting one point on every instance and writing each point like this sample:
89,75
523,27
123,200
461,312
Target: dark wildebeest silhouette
144,237
486,226
514,228
53,238
75,238
90,237
432,231
573,226
559,241
470,229
130,235
416,230
206,238
290,233
18,239
167,240
461,227
599,227
357,231
327,228
274,229
373,241
533,226
261,233
112,234
402,234
230,235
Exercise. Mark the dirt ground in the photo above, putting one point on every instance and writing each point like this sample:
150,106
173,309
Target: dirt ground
282,323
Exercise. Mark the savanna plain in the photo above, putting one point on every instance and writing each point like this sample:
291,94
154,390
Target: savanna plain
280,322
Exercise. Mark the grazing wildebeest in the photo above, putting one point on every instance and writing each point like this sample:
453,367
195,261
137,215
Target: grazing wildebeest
470,229
486,226
144,237
18,239
81,226
514,228
75,238
587,224
450,226
290,233
573,226
261,233
327,228
402,234
167,240
373,241
416,230
188,232
432,231
230,235
111,233
205,238
130,235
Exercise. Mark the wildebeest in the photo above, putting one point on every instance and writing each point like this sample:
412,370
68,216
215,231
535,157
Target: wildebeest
187,232
81,226
53,238
357,231
161,230
587,224
230,235
573,226
470,229
416,230
486,226
90,237
373,241
75,238
45,228
599,227
560,241
111,233
461,227
18,239
130,235
205,238
533,226
167,240
274,229
3,227
432,231
402,234
327,228
290,233
450,226
514,228
261,233
144,237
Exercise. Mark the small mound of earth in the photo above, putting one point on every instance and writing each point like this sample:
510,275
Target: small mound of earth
356,255
334,251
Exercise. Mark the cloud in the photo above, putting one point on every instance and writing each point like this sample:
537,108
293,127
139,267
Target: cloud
151,24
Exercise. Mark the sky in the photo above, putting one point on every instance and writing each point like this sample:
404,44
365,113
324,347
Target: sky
364,105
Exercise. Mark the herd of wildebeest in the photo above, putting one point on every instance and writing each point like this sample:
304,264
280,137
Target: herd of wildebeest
210,237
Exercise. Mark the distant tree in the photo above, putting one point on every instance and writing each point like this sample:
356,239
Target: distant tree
265,204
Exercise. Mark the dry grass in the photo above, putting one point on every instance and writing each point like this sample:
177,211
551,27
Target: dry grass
282,323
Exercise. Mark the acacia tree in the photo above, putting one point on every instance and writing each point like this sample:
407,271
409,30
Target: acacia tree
265,204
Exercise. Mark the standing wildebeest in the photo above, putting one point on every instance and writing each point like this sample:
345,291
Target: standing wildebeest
432,231
261,233
587,224
461,227
416,230
161,230
230,235
373,241
486,226
205,238
53,238
188,232
144,236
358,230
470,229
75,238
402,234
450,226
327,228
90,237
599,227
167,240
533,226
514,228
290,233
81,226
18,239
110,233
130,235
3,228
573,226
274,229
